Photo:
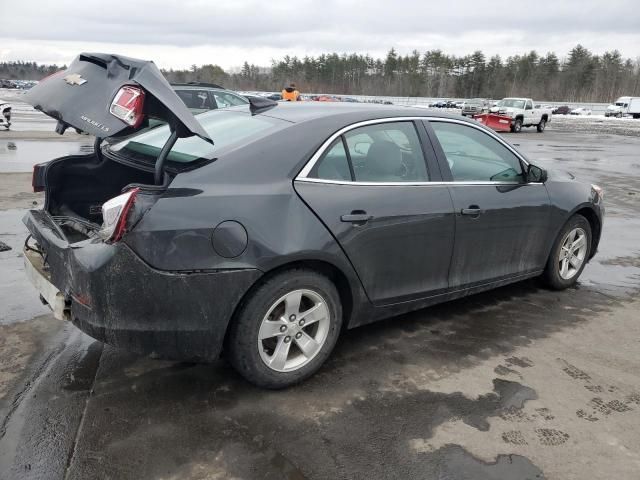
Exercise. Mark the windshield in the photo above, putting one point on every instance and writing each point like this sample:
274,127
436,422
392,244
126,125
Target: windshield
227,129
511,103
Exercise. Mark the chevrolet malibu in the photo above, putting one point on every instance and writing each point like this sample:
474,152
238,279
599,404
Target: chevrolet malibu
261,232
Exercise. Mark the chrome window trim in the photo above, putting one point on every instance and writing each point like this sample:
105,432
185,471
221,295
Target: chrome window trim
413,184
303,175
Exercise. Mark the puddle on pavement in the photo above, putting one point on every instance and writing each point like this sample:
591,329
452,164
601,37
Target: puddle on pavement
22,155
457,463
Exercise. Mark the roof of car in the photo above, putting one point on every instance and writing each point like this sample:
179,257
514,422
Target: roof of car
297,112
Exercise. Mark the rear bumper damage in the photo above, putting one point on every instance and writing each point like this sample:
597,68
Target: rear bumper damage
108,292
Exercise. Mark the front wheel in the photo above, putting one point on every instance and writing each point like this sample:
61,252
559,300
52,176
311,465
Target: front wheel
286,329
569,254
542,125
517,126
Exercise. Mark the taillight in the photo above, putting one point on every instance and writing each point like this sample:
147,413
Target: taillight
127,105
37,182
114,215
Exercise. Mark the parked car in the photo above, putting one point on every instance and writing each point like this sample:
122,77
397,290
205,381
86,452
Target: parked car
211,234
580,111
523,113
563,110
5,115
475,106
200,97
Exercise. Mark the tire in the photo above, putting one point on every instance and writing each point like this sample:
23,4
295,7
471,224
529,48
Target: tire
553,275
250,355
517,126
541,126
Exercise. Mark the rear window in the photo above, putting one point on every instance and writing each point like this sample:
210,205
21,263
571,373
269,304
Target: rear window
227,129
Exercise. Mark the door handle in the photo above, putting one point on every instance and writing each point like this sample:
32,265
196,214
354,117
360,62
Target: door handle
357,217
473,211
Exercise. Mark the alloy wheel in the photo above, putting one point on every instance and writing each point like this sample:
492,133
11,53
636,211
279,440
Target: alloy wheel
572,253
294,330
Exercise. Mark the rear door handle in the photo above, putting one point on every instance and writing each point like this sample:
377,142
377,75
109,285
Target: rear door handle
356,217
473,210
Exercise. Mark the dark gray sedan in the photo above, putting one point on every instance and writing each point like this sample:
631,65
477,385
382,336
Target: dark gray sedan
263,231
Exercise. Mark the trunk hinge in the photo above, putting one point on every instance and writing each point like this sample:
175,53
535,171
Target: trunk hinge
164,153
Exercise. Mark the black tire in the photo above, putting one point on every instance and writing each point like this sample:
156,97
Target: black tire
517,126
551,275
241,347
541,125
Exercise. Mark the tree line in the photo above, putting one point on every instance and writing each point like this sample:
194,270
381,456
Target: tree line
581,76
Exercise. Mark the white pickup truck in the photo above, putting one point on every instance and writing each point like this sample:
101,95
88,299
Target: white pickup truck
523,113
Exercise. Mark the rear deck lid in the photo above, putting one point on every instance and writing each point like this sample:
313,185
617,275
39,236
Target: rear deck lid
82,95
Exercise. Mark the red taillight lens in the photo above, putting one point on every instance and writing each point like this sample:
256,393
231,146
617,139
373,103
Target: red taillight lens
114,215
127,105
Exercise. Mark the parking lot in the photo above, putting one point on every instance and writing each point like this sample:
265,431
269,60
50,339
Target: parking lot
520,382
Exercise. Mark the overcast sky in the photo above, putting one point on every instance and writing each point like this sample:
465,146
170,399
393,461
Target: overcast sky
226,32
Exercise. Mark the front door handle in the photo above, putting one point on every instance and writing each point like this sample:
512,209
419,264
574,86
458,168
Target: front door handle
473,210
357,217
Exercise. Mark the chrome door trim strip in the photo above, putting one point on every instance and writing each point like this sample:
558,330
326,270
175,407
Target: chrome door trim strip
412,184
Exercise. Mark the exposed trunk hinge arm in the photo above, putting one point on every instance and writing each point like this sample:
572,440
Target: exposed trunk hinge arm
164,153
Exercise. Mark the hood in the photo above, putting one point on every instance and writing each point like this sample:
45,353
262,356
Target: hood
81,95
614,107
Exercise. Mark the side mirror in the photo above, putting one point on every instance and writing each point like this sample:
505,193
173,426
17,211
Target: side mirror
536,174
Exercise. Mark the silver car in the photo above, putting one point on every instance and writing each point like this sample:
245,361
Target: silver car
475,106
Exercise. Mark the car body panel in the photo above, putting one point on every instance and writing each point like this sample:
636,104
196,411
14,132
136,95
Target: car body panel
404,251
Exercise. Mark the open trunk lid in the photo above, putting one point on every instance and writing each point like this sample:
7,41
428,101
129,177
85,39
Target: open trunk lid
81,96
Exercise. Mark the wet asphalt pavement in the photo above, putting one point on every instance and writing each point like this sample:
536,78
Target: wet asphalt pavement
516,383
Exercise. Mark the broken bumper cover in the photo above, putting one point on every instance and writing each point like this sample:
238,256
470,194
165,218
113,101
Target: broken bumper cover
108,292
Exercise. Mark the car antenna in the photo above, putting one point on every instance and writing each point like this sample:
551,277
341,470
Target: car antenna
260,104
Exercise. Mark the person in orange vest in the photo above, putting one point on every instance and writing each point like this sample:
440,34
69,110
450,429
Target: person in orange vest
290,94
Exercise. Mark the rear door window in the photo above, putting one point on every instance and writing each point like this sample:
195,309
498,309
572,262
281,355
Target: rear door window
386,152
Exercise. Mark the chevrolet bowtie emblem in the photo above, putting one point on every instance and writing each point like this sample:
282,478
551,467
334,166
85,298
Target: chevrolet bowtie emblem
74,79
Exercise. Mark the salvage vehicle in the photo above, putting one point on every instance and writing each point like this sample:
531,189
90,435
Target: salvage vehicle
562,110
200,96
211,235
474,106
580,111
5,115
523,113
624,106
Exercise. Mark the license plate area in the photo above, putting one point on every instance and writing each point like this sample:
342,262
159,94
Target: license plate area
41,280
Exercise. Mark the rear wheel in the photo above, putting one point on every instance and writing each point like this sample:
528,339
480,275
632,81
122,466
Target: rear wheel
569,254
286,329
542,125
517,126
